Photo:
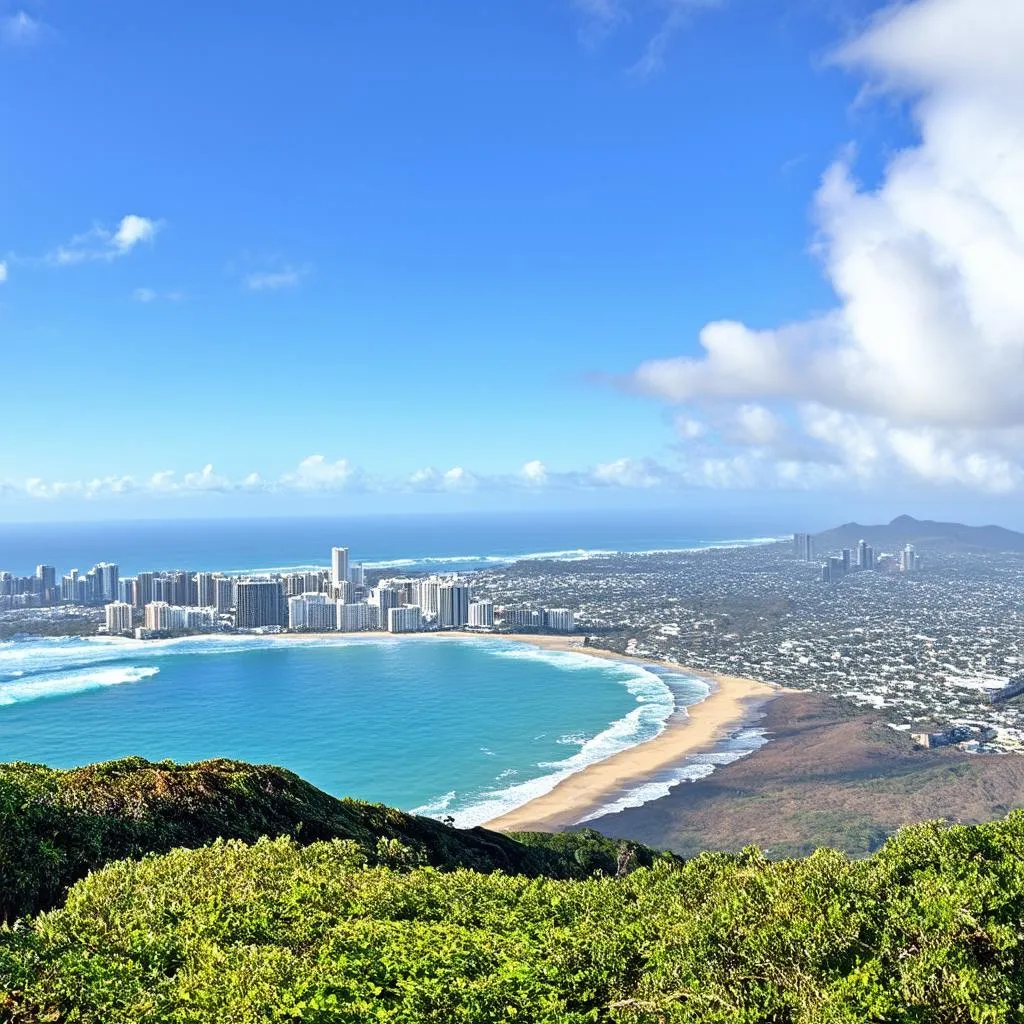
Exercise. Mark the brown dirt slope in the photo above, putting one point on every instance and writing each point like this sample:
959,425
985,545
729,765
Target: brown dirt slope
829,777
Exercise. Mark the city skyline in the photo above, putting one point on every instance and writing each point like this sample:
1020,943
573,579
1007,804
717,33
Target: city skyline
560,277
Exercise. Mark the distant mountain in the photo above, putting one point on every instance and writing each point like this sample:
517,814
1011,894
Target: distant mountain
922,533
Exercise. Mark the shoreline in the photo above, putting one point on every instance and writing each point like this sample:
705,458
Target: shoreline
732,704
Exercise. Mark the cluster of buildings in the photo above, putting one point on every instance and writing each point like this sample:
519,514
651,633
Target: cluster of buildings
338,599
860,559
935,649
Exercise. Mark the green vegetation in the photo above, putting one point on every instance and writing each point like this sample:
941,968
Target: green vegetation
56,826
928,929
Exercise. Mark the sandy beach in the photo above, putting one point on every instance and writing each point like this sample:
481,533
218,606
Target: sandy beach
733,703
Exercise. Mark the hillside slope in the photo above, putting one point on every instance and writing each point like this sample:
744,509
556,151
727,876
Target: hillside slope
926,930
56,826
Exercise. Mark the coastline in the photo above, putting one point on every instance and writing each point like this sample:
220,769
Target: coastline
732,704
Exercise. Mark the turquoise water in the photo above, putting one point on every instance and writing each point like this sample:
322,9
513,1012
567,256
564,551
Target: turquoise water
464,727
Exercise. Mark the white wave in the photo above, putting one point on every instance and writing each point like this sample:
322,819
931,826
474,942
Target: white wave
656,704
695,768
62,685
561,555
572,739
436,807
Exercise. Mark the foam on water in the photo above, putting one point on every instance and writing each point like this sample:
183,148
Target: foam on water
695,768
656,701
63,684
434,562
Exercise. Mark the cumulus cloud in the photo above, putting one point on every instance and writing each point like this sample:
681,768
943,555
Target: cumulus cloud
920,367
101,243
431,479
535,473
317,473
635,473
3,271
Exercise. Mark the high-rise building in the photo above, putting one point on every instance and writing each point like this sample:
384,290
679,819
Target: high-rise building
182,587
119,618
803,546
257,604
109,575
453,605
224,594
206,596
142,592
69,586
163,589
847,559
357,575
342,591
158,616
386,598
126,590
339,565
162,617
46,583
522,618
354,618
481,614
561,620
406,619
908,559
426,594
314,612
94,586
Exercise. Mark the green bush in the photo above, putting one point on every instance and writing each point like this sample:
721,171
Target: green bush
56,826
930,929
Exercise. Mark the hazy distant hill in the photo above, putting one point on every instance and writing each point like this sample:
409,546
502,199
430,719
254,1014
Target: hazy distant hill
922,533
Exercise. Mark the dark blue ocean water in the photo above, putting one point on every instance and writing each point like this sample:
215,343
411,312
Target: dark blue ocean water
415,542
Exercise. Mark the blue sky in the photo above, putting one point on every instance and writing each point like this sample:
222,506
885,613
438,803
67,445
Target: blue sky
336,255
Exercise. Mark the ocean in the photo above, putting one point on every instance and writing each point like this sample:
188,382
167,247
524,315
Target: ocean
467,728
439,542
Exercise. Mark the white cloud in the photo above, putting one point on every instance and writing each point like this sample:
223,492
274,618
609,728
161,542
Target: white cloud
602,17
273,280
677,16
20,29
147,295
920,367
100,243
535,473
757,425
3,271
431,479
689,428
634,473
317,473
132,230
